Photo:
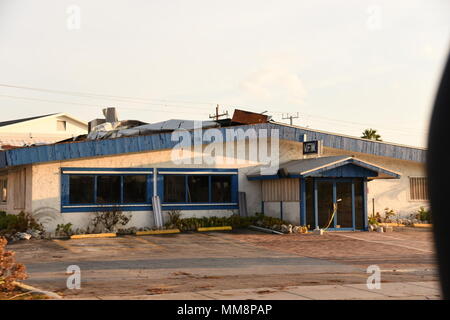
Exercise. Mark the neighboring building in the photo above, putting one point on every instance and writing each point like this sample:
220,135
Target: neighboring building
43,129
66,182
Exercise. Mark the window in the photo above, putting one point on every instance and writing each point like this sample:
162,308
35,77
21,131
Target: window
174,189
221,188
3,189
198,188
81,189
61,125
134,189
108,189
418,188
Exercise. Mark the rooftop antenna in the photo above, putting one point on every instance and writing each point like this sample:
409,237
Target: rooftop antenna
290,117
217,115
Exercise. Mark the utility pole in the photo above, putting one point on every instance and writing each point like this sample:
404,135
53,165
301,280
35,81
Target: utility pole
217,115
290,117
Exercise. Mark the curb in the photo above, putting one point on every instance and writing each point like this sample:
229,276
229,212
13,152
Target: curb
224,228
93,235
168,231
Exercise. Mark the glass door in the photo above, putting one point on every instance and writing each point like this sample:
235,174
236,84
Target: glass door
325,203
344,200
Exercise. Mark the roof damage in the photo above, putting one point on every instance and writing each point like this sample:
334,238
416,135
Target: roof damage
106,138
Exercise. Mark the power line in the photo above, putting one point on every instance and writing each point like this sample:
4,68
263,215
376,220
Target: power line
88,105
168,103
109,97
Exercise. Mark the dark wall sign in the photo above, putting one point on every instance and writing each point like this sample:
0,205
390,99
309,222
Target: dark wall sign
311,147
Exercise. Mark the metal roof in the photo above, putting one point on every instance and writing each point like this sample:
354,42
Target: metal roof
161,140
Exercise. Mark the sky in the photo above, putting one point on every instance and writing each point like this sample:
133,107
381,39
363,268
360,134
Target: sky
343,66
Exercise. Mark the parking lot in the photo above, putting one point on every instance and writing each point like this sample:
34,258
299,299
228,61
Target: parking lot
188,264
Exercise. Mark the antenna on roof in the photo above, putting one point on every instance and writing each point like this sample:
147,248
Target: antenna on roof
290,117
217,115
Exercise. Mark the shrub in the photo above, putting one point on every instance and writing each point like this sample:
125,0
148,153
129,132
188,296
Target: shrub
423,214
109,220
236,221
11,223
10,270
64,229
388,214
174,219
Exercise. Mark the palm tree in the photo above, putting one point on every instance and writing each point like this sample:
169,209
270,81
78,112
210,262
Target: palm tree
371,134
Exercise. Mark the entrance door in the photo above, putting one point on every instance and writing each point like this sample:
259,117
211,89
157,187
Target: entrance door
344,214
325,203
346,193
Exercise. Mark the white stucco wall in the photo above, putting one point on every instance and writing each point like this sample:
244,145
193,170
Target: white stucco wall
46,183
389,193
44,186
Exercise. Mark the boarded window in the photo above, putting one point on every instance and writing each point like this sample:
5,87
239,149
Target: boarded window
281,190
418,188
3,189
19,188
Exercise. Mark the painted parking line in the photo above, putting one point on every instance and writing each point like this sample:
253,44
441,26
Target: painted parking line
385,243
65,245
147,241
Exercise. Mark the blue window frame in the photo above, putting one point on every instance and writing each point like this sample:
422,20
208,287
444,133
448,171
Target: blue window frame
97,189
198,189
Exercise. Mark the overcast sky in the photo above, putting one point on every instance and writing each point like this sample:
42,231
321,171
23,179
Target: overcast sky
342,65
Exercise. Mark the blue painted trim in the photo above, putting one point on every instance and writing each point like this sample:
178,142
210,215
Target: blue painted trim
366,221
106,208
316,204
166,207
353,206
159,141
334,201
303,202
347,168
206,170
195,206
120,170
341,229
91,207
281,210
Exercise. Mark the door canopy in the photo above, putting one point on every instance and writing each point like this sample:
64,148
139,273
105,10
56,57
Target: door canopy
328,167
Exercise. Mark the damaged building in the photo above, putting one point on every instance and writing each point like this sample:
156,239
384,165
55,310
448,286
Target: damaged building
243,165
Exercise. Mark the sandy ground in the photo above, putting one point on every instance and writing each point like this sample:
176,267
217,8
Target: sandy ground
193,262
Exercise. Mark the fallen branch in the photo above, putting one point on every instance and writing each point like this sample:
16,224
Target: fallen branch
266,230
33,289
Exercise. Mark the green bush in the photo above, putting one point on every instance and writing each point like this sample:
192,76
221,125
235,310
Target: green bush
424,214
10,223
235,221
64,229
